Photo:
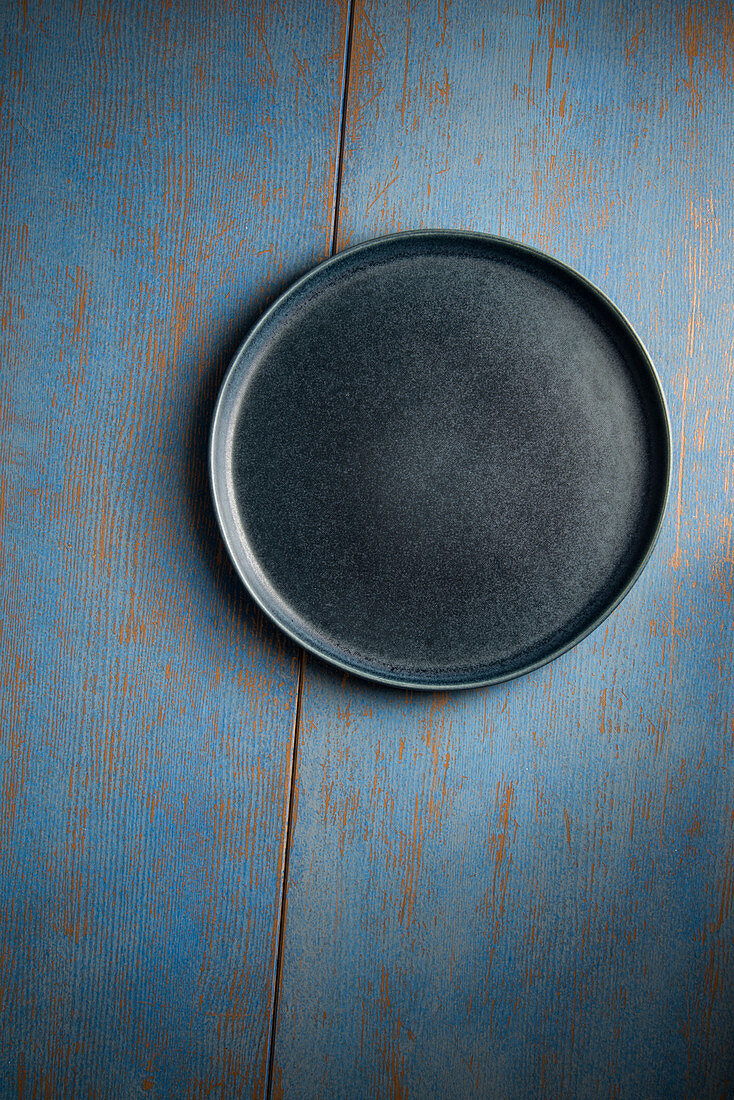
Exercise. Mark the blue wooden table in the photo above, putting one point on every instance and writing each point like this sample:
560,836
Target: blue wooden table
227,869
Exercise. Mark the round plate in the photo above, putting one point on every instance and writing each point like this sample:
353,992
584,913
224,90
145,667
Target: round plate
440,459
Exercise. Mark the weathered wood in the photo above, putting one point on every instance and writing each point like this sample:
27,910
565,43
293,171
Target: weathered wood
527,890
166,169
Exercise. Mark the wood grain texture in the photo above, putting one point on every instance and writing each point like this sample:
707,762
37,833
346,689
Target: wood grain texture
166,169
528,890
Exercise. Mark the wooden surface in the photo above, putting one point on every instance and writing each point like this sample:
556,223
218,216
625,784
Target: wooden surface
520,891
527,890
166,170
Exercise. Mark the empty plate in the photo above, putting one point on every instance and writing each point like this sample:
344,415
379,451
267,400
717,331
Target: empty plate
440,459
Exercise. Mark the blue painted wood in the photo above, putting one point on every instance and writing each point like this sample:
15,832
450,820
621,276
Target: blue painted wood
527,890
165,170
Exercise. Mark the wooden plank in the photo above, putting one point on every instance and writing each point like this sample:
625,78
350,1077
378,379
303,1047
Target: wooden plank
166,169
527,890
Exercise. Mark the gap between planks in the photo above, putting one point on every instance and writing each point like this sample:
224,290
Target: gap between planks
282,901
275,988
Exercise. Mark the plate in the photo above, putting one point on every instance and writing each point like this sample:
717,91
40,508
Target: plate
440,459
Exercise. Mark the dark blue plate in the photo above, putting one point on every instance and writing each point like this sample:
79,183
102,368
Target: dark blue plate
440,459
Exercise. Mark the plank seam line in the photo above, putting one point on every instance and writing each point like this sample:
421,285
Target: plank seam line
283,901
284,878
335,218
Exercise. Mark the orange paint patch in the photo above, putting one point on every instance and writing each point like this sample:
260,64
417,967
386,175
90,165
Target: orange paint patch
411,851
368,52
499,841
382,189
723,564
677,556
635,43
705,34
18,680
551,24
567,819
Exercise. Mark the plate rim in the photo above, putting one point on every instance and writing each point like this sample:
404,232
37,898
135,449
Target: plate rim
217,476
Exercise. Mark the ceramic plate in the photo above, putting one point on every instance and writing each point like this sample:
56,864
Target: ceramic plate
440,459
